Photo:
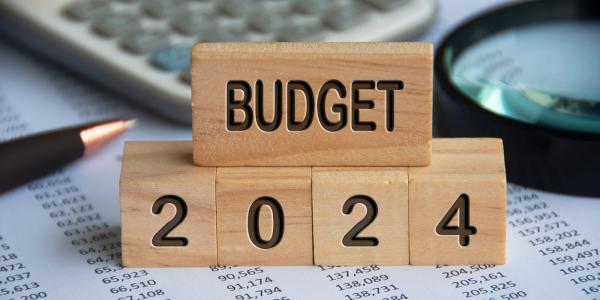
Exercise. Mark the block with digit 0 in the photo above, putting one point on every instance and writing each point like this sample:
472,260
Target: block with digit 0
458,204
264,216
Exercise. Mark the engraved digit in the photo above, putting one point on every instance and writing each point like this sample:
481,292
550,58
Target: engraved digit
464,228
351,238
253,218
160,239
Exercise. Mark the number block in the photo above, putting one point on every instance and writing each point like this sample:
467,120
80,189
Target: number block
264,216
360,216
312,104
168,213
458,204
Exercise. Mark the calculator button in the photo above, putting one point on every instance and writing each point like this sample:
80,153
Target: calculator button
299,32
276,5
114,25
207,8
341,18
84,10
255,37
312,6
161,8
174,58
218,34
192,23
237,26
145,41
387,4
267,21
235,7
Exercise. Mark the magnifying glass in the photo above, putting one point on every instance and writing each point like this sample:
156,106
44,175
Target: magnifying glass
528,73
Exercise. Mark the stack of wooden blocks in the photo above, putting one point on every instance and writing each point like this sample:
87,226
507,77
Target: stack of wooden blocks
313,153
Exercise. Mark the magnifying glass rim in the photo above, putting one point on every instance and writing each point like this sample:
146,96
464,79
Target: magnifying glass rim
442,74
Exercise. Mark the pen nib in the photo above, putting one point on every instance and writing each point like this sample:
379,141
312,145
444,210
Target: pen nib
130,123
99,134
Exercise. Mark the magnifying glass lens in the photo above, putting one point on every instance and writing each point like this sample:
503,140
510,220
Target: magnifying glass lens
546,74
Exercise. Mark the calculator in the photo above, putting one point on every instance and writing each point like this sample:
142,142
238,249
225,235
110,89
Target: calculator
141,48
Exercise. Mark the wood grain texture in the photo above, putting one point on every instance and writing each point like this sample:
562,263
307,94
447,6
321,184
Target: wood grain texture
149,171
388,187
237,189
407,144
474,167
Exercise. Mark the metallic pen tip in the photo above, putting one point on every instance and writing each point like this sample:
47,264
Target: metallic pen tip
130,123
97,135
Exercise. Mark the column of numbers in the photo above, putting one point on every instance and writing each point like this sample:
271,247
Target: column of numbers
362,282
94,239
246,283
482,282
11,124
554,238
16,281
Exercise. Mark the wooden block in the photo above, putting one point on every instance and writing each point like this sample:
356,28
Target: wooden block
360,216
160,186
312,104
264,216
458,204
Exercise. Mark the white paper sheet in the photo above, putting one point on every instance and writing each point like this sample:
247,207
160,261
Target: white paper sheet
59,236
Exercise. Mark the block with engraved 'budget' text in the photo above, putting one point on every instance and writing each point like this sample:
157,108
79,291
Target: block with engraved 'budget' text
312,104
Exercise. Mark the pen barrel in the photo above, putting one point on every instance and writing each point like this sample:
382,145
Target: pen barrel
23,160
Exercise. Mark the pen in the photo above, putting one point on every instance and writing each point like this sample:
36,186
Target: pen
27,158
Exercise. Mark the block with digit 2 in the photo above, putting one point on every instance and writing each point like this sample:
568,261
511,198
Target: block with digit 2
360,215
458,204
168,208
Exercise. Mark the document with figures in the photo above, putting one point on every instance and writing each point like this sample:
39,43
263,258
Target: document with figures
60,235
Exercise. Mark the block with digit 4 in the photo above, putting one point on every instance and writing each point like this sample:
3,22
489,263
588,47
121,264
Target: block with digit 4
458,204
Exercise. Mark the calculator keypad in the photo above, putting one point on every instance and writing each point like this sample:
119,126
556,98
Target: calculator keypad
145,41
165,30
84,10
346,16
115,24
161,8
174,58
190,23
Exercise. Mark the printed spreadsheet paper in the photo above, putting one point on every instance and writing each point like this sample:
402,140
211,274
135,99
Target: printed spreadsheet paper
59,236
